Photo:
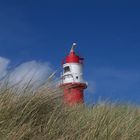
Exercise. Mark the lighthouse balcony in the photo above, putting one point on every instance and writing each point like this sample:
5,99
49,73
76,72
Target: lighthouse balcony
72,78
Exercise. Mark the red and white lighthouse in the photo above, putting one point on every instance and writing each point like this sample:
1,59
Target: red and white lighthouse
72,81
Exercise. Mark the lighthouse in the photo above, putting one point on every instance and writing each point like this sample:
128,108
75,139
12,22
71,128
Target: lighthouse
72,82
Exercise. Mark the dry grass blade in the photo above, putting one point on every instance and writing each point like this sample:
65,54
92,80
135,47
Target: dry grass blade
40,115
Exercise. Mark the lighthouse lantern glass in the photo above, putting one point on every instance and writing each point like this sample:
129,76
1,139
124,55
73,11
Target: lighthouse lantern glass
66,69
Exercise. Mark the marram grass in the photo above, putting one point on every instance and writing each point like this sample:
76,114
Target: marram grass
40,115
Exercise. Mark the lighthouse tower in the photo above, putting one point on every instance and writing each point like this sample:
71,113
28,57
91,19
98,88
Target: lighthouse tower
72,81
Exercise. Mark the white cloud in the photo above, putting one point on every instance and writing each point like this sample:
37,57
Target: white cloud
32,72
91,86
4,63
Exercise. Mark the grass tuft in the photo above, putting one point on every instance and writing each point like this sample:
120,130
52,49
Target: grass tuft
41,115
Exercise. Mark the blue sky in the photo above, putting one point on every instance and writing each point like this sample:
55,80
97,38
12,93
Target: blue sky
107,34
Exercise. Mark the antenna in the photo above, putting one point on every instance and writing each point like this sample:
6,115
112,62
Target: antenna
73,46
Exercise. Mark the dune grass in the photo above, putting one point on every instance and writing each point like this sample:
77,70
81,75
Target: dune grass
41,115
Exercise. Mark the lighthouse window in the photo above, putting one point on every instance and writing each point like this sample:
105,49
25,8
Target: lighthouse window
66,69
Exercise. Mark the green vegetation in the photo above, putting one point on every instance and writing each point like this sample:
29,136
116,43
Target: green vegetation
40,115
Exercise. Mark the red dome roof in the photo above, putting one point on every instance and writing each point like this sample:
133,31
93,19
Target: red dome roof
72,57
